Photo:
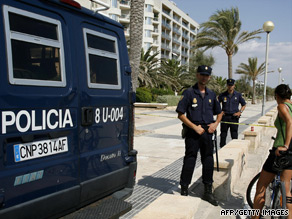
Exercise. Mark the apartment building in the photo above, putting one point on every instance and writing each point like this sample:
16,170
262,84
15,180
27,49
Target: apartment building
166,28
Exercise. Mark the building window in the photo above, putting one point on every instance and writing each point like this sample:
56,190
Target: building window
147,33
114,17
115,3
148,21
147,46
148,8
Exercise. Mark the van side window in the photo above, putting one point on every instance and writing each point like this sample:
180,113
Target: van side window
34,48
102,60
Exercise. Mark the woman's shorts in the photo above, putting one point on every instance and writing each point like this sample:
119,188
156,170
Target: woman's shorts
270,160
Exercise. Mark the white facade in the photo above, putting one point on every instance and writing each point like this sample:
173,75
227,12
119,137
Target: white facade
166,28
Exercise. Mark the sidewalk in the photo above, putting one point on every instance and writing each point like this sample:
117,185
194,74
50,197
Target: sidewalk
160,152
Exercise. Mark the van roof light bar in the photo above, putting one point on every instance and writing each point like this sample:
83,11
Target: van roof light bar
103,4
72,3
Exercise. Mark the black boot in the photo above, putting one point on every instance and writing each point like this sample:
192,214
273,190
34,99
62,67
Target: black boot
184,190
208,195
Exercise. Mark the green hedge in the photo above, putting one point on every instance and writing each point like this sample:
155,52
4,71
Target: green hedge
171,100
143,95
160,92
146,95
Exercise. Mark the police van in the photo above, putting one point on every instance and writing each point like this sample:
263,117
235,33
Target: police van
66,109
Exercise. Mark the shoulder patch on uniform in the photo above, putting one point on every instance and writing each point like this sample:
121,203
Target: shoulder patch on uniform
182,96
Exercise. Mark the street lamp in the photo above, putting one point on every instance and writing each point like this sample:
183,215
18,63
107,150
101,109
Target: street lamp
279,70
268,27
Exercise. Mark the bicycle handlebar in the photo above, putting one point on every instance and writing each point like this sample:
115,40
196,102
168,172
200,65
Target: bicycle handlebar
289,152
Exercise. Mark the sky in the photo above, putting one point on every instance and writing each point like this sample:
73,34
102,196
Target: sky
253,14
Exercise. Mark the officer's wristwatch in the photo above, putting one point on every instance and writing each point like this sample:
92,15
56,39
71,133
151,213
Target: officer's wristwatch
240,111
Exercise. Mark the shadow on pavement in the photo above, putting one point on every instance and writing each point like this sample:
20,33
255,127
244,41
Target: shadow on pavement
157,183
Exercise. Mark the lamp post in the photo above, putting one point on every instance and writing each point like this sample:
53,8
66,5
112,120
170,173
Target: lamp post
280,70
268,27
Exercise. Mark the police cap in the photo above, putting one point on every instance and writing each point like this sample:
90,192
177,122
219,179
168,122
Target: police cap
204,70
230,82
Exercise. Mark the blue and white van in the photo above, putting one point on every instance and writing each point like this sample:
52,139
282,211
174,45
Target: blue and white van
66,108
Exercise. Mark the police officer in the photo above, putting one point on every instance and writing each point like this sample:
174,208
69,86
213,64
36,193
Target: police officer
230,100
199,104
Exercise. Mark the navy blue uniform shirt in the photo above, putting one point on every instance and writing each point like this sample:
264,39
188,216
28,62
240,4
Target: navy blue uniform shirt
199,110
230,104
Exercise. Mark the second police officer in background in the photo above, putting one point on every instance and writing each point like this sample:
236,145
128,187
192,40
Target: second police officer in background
230,100
199,104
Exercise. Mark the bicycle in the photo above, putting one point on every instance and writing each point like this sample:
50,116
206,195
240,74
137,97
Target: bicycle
275,194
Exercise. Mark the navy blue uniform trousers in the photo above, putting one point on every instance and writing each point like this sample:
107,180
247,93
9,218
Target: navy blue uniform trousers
224,129
195,142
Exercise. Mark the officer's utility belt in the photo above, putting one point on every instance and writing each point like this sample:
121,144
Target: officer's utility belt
204,126
228,114
186,129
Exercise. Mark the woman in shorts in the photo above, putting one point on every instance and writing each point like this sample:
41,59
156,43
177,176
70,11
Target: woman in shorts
283,124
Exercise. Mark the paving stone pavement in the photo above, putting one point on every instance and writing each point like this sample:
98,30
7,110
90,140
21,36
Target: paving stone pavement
160,157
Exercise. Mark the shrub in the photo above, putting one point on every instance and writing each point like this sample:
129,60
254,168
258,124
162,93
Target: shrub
171,100
143,95
159,92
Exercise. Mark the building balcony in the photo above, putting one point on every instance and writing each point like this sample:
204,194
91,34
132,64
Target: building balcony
156,20
176,51
166,12
125,4
155,43
185,36
124,18
177,31
163,56
177,19
185,45
185,54
166,25
185,25
127,32
176,40
165,46
155,31
166,36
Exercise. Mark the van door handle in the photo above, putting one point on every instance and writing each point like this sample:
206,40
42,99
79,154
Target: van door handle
87,116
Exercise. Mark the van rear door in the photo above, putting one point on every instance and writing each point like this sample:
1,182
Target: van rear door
39,131
104,99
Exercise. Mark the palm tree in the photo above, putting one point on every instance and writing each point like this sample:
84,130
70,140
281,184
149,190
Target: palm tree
217,84
200,59
148,67
136,34
253,71
223,30
243,86
174,72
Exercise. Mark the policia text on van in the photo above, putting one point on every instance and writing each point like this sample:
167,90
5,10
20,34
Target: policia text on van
66,109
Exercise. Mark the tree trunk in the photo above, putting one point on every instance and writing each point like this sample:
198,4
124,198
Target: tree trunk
229,66
136,34
254,92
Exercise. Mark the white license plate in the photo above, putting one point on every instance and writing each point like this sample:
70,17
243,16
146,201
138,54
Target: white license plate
39,149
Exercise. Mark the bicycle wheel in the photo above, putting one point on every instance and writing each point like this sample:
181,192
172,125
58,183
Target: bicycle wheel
279,200
251,190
